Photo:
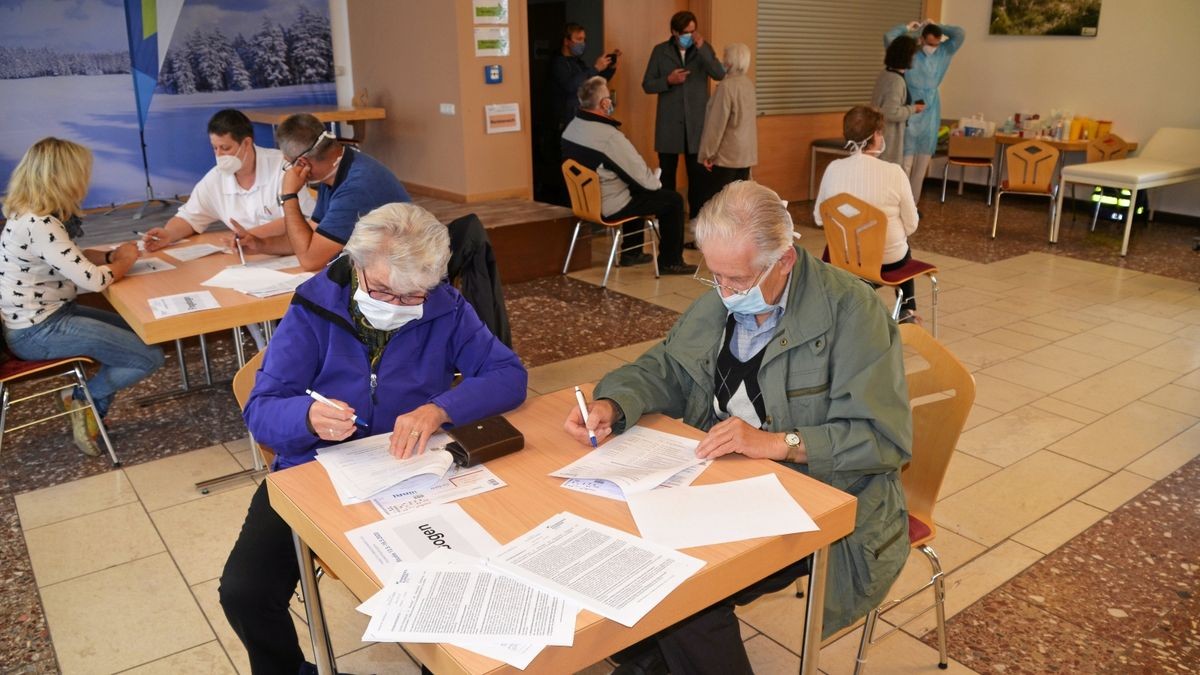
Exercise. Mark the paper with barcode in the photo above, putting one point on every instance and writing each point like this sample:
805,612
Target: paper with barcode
182,303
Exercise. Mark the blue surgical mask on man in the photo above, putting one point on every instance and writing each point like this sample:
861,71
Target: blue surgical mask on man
685,41
751,302
578,48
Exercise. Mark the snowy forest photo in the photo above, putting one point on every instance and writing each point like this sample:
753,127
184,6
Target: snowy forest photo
65,71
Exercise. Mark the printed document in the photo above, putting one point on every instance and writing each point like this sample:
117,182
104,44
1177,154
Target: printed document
182,303
256,281
148,266
638,460
417,492
186,253
612,573
361,469
275,263
387,543
609,490
714,514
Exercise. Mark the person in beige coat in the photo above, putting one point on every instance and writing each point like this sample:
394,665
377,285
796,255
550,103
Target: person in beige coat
729,142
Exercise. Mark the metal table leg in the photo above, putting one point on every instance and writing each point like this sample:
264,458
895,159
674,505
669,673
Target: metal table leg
810,652
259,469
318,631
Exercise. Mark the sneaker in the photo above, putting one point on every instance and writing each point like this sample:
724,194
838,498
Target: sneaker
628,260
80,416
677,268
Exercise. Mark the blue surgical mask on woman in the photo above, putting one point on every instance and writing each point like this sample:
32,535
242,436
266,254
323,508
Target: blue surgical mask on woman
685,40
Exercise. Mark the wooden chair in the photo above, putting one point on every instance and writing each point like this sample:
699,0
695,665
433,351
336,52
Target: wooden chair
584,186
1031,167
970,152
855,233
1110,146
14,369
941,397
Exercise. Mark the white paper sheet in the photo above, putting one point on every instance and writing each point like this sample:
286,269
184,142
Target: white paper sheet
439,602
612,573
638,460
256,281
182,303
387,543
186,253
148,266
419,492
282,263
713,514
609,490
361,469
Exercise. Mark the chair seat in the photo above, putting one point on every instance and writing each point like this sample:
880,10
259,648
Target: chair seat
970,161
918,531
911,270
1025,189
618,223
13,368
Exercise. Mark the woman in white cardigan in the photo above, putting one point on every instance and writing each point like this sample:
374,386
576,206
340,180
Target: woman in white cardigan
879,183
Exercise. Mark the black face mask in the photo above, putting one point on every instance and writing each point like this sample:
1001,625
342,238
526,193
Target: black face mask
74,226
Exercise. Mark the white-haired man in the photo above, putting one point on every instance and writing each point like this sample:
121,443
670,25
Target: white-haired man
627,186
791,360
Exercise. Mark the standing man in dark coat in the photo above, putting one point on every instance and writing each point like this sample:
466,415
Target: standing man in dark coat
678,72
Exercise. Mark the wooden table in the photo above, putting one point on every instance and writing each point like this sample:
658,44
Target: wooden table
131,296
327,114
1063,147
304,497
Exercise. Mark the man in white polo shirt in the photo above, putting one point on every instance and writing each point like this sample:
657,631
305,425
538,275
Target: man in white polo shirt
242,187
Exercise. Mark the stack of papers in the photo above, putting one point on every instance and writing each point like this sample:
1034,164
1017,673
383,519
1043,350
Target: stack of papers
638,460
186,253
260,282
182,303
609,490
419,491
361,469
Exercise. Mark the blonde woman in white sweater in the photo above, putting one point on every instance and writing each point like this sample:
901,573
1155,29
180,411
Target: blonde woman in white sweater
879,183
42,270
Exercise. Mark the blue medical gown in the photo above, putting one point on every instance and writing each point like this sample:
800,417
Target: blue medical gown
923,79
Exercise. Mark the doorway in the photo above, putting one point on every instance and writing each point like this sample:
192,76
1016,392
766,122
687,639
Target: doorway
546,21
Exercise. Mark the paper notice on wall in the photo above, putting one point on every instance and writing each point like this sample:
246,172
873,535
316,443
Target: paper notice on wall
501,118
491,42
490,11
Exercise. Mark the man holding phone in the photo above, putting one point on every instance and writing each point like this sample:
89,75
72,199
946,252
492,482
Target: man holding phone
568,72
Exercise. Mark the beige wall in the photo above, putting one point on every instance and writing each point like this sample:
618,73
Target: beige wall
1139,72
411,56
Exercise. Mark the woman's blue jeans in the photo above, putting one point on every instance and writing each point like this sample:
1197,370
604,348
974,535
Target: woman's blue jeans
102,336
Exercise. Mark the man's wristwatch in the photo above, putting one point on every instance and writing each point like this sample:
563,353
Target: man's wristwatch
286,196
793,445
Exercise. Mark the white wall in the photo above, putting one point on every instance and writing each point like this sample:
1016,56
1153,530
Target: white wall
1140,71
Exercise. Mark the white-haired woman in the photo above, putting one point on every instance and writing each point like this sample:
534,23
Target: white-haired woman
380,334
729,143
42,270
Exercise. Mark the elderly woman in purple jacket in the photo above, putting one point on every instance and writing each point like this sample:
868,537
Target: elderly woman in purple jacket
380,334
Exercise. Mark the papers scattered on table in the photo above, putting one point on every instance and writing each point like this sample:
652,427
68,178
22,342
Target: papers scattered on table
182,303
614,574
387,543
638,460
286,262
610,490
361,469
148,266
718,513
186,253
257,281
418,492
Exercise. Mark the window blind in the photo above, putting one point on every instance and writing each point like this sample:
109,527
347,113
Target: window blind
822,55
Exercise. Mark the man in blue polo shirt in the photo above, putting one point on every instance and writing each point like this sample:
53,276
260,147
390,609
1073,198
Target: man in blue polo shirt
349,183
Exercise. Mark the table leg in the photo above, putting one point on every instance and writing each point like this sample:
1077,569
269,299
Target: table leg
810,652
204,359
1057,215
317,630
1129,220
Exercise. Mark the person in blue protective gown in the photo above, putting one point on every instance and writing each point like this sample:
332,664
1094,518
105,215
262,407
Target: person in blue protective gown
929,66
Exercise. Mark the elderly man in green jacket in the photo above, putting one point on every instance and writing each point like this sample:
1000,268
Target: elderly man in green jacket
790,360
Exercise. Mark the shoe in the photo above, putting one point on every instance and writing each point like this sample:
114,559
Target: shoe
635,259
678,268
648,662
80,413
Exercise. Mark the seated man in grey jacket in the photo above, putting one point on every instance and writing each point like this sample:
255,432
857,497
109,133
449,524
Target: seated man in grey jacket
789,360
627,186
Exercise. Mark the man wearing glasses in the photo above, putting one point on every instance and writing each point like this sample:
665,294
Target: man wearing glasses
348,182
791,360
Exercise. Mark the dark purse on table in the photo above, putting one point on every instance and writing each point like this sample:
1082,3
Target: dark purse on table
484,440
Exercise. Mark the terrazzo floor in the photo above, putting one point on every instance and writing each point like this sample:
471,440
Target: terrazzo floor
1089,393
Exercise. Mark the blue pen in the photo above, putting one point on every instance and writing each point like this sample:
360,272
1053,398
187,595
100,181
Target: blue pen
321,399
583,411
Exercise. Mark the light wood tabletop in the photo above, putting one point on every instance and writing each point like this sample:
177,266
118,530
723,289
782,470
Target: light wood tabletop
131,295
305,498
1065,146
324,113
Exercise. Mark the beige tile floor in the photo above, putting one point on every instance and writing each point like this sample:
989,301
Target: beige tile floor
1089,390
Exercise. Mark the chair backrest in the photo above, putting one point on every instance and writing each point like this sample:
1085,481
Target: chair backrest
1030,166
584,186
941,397
972,147
1110,146
855,232
243,382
